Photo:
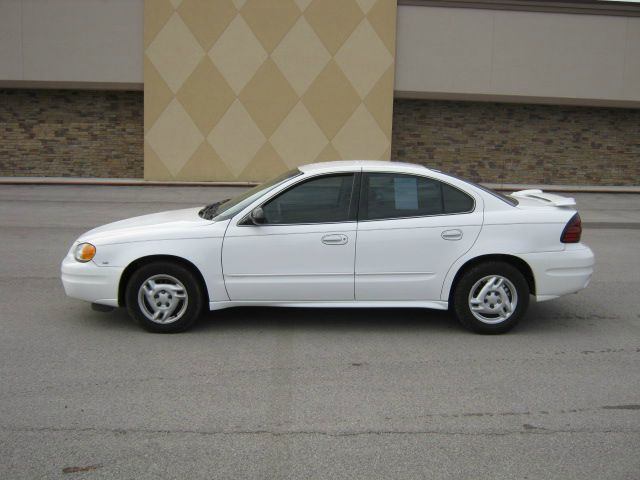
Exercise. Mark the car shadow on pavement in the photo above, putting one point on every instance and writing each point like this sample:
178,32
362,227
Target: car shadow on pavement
116,320
544,318
343,319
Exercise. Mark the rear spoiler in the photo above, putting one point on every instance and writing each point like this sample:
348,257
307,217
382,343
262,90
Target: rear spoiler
550,198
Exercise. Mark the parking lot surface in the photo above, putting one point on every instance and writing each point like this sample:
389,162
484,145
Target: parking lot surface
301,393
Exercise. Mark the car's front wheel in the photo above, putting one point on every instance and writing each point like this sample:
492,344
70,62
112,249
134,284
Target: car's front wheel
164,297
491,297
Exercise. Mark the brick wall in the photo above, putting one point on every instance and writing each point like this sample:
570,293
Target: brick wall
513,143
71,133
75,133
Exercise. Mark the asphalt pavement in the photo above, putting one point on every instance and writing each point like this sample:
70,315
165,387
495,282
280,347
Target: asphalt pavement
302,393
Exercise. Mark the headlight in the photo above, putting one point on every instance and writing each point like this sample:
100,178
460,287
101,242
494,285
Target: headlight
84,252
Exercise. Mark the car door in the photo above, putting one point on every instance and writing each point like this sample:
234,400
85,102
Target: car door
411,230
304,250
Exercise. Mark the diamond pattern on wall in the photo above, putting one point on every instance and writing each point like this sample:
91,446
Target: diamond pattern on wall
365,5
205,163
332,84
302,4
268,97
244,89
175,52
206,95
236,138
360,137
270,22
301,56
207,19
375,102
378,18
238,54
333,20
364,58
174,137
156,15
299,139
157,98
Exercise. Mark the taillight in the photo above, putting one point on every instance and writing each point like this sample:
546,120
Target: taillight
572,231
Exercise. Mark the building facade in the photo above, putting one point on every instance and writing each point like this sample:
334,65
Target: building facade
526,91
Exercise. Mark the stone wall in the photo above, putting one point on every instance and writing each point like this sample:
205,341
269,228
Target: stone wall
71,133
75,133
514,143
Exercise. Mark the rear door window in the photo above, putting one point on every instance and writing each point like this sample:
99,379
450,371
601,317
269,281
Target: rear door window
394,195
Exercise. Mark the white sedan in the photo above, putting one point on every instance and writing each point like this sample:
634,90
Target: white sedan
339,234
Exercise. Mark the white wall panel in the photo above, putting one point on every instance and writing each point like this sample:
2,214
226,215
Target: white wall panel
446,49
441,51
558,55
448,52
10,40
632,60
72,40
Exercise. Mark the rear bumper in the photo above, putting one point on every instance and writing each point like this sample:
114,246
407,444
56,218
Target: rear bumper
87,281
561,273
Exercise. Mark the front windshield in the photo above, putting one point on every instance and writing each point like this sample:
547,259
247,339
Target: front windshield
229,208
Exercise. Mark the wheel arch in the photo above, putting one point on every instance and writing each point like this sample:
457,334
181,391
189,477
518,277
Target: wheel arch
146,260
513,260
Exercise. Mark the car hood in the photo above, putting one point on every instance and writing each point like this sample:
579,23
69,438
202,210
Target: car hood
173,224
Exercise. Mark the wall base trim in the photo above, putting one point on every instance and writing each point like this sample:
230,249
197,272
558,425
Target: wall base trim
495,98
71,85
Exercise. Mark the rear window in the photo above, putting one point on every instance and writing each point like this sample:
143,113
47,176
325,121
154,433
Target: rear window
394,195
505,198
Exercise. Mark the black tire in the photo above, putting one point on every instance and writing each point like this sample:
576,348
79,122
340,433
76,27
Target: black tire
164,274
475,278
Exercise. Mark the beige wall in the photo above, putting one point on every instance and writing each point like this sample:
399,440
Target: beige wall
447,52
245,89
74,41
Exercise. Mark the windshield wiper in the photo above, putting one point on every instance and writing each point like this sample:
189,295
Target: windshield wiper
210,211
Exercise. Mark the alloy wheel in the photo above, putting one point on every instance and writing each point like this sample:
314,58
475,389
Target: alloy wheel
163,299
493,299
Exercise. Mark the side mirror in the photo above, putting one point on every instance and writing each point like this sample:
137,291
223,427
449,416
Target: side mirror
257,216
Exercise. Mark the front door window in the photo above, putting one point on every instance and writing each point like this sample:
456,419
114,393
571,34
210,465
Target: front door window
319,200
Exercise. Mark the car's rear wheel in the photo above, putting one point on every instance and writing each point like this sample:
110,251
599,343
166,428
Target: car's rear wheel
164,297
491,297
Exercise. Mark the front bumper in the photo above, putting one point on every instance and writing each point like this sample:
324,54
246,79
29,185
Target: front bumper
560,273
87,281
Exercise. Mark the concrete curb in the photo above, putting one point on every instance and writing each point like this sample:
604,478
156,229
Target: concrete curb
138,182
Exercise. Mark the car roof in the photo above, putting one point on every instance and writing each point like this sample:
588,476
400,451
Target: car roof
351,165
489,199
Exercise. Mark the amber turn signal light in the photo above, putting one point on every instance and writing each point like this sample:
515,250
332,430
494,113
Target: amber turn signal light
85,252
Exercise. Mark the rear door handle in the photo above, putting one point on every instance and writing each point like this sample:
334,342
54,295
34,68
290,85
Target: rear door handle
454,234
335,239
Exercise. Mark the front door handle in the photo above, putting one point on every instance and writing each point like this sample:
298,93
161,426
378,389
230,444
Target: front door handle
335,239
454,234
